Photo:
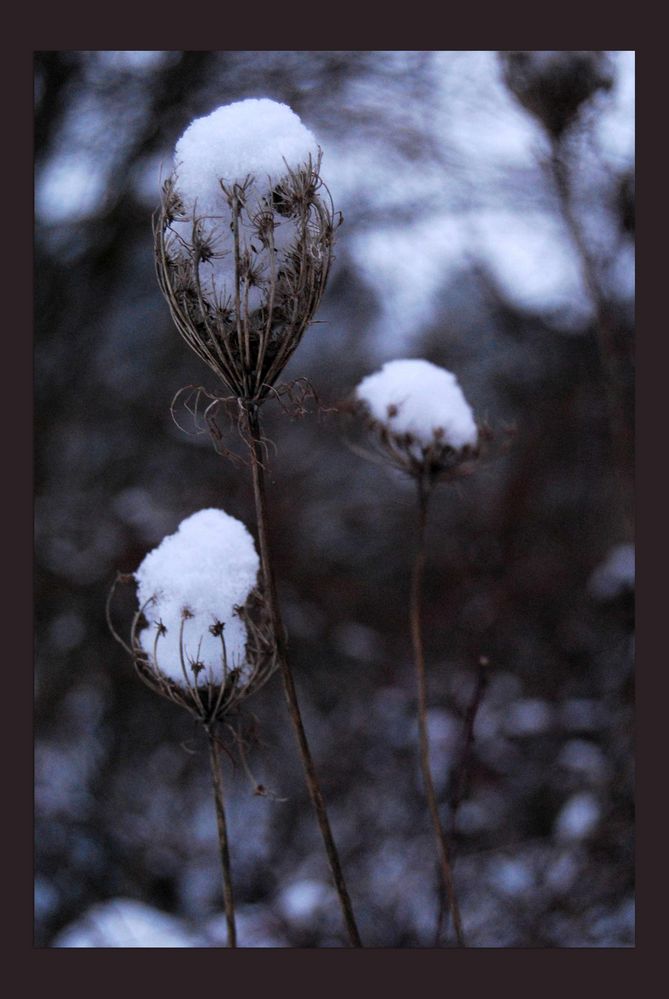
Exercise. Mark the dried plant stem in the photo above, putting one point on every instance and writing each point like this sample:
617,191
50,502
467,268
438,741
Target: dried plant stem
609,351
461,773
255,446
424,740
217,784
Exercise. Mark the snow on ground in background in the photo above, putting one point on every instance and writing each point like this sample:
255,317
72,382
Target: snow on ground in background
578,818
615,575
300,901
123,922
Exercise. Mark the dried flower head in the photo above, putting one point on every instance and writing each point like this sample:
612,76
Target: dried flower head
419,419
243,240
553,85
202,635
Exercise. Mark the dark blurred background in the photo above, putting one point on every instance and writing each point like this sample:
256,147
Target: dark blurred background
488,205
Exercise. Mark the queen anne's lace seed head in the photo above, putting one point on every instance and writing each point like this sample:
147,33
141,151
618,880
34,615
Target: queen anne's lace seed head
201,636
243,240
419,417
192,583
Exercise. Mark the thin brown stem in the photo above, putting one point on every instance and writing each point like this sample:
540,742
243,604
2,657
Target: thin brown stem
461,773
424,739
217,784
462,769
313,785
609,350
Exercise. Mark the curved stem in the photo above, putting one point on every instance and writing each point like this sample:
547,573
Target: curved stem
313,785
217,784
424,740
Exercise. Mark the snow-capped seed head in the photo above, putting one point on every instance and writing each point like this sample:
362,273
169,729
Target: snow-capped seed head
259,138
420,416
202,635
189,588
244,239
418,398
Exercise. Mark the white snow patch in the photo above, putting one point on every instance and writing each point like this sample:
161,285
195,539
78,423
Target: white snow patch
254,142
615,575
124,922
302,900
416,397
578,817
257,137
69,188
208,567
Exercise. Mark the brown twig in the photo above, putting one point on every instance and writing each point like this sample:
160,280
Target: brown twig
254,436
462,768
461,772
424,740
217,784
609,352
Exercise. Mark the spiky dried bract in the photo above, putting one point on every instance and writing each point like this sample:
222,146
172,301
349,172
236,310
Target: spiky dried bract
202,635
419,419
244,268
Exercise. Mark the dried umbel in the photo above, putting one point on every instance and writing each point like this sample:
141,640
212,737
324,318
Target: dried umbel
243,241
202,634
419,420
209,694
553,85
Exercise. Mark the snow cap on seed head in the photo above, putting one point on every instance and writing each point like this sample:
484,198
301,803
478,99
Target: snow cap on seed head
422,400
257,137
419,419
195,579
